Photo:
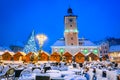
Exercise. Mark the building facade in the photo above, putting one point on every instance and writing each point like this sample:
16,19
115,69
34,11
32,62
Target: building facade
114,53
71,43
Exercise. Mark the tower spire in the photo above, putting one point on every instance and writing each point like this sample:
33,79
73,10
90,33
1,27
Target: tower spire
69,11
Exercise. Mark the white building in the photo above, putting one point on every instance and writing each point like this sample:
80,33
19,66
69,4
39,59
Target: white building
104,48
71,43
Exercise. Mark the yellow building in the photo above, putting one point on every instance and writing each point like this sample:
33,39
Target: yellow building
114,53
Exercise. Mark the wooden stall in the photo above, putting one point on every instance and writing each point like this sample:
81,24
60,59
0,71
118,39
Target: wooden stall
7,56
68,56
19,56
55,57
79,57
31,57
104,58
44,56
92,57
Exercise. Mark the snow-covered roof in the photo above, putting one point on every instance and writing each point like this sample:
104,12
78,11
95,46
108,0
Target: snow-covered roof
45,53
11,53
21,53
115,48
77,53
60,42
88,43
32,53
101,42
85,42
1,52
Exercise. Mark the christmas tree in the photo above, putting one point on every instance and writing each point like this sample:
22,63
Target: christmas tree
31,44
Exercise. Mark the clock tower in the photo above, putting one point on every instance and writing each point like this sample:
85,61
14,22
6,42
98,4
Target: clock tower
71,31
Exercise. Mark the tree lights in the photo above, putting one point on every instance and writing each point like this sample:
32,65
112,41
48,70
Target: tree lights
31,44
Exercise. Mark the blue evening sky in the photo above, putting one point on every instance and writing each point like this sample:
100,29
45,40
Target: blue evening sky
97,19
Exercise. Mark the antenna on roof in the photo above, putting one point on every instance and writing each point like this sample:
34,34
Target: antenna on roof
69,11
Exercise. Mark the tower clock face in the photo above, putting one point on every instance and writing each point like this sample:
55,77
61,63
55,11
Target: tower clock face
70,19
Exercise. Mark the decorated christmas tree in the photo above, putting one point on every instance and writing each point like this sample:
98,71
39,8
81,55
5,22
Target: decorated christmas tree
31,44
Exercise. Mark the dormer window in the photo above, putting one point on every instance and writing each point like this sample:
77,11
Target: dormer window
80,43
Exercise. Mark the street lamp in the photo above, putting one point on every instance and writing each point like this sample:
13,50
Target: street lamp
61,54
41,38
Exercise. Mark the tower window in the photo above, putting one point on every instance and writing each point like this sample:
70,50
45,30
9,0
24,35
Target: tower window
71,38
70,25
71,43
71,20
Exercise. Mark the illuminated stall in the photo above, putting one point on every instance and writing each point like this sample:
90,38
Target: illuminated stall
114,53
68,56
44,56
7,56
19,56
79,57
55,57
30,57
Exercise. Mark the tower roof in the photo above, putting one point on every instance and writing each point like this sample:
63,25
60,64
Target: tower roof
69,11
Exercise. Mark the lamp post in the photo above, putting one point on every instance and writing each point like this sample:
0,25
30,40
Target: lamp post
41,38
61,54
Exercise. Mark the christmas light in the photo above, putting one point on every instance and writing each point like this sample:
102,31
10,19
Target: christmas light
31,44
75,30
41,38
95,51
66,30
61,50
85,51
